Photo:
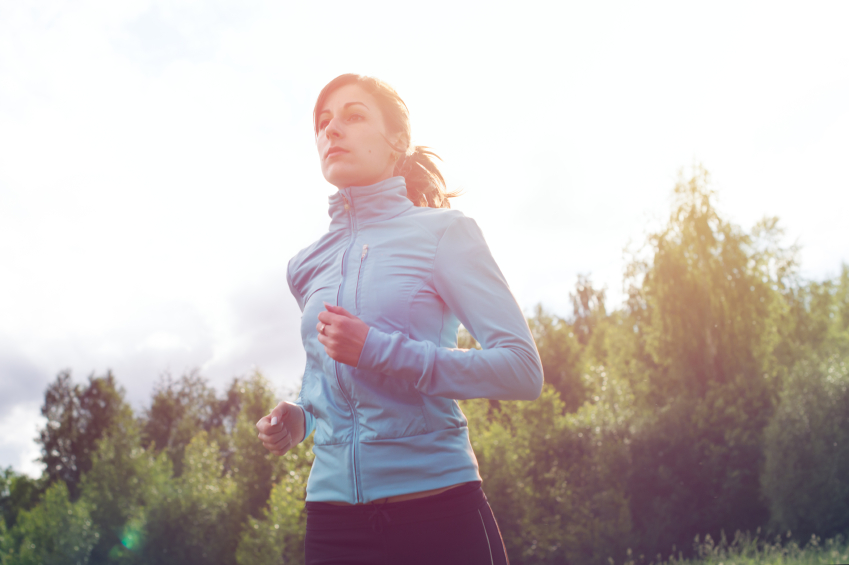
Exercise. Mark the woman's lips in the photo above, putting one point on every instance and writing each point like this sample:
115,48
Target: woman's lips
334,151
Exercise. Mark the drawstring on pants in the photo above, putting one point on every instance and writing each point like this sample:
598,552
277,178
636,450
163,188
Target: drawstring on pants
378,515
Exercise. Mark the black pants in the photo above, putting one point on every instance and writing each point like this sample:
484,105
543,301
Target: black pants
456,526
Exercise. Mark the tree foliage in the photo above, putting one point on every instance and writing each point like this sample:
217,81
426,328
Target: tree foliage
556,479
17,493
806,477
77,417
55,532
125,481
562,357
193,522
179,410
705,304
280,529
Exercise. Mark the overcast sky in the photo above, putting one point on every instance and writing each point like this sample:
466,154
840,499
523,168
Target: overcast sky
158,167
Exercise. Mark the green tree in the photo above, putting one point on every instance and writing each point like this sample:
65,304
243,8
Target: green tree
556,480
706,304
254,469
588,308
561,354
816,321
56,531
193,522
7,544
179,410
17,493
806,476
281,527
77,417
125,479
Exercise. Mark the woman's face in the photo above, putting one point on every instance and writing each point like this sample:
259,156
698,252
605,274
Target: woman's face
350,139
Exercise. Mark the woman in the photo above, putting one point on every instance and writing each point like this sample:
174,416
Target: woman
382,295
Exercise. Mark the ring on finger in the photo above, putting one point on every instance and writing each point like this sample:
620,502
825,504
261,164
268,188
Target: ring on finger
321,329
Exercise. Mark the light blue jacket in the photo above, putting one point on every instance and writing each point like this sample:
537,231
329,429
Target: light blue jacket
391,425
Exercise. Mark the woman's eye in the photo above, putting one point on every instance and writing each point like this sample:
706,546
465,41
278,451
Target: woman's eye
354,117
322,124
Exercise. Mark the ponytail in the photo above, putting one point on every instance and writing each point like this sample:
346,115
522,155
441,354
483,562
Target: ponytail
425,184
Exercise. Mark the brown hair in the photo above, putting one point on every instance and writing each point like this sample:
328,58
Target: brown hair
425,184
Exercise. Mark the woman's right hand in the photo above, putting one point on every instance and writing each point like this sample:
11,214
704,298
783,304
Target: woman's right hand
286,433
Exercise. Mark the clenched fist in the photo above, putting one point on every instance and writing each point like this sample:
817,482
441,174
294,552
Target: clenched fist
342,334
287,431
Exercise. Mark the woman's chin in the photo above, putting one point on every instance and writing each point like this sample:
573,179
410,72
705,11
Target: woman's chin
341,177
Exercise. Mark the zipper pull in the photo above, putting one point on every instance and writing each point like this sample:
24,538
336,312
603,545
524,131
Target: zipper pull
365,250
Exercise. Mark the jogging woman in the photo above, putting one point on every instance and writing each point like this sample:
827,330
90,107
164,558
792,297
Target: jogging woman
382,295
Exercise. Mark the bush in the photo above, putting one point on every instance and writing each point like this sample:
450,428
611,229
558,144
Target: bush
806,476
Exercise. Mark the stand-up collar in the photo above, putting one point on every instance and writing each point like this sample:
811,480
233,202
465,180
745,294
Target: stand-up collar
368,204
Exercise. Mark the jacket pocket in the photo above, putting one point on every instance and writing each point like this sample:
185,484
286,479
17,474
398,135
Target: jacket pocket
388,407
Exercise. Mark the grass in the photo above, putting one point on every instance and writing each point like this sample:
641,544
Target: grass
746,549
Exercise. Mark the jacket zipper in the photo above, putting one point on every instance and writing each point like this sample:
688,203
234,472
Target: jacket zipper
355,450
359,274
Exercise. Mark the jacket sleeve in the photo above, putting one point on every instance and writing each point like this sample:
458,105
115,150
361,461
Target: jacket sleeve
470,283
309,419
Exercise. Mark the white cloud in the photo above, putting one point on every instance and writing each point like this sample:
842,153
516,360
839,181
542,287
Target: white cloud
18,429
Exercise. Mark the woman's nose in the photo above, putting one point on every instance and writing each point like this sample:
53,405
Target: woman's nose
332,129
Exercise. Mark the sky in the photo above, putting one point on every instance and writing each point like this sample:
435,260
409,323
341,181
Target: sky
158,166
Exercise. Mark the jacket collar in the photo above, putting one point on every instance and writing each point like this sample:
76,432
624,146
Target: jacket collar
368,204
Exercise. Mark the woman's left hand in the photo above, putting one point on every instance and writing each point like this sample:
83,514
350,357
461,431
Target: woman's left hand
342,334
